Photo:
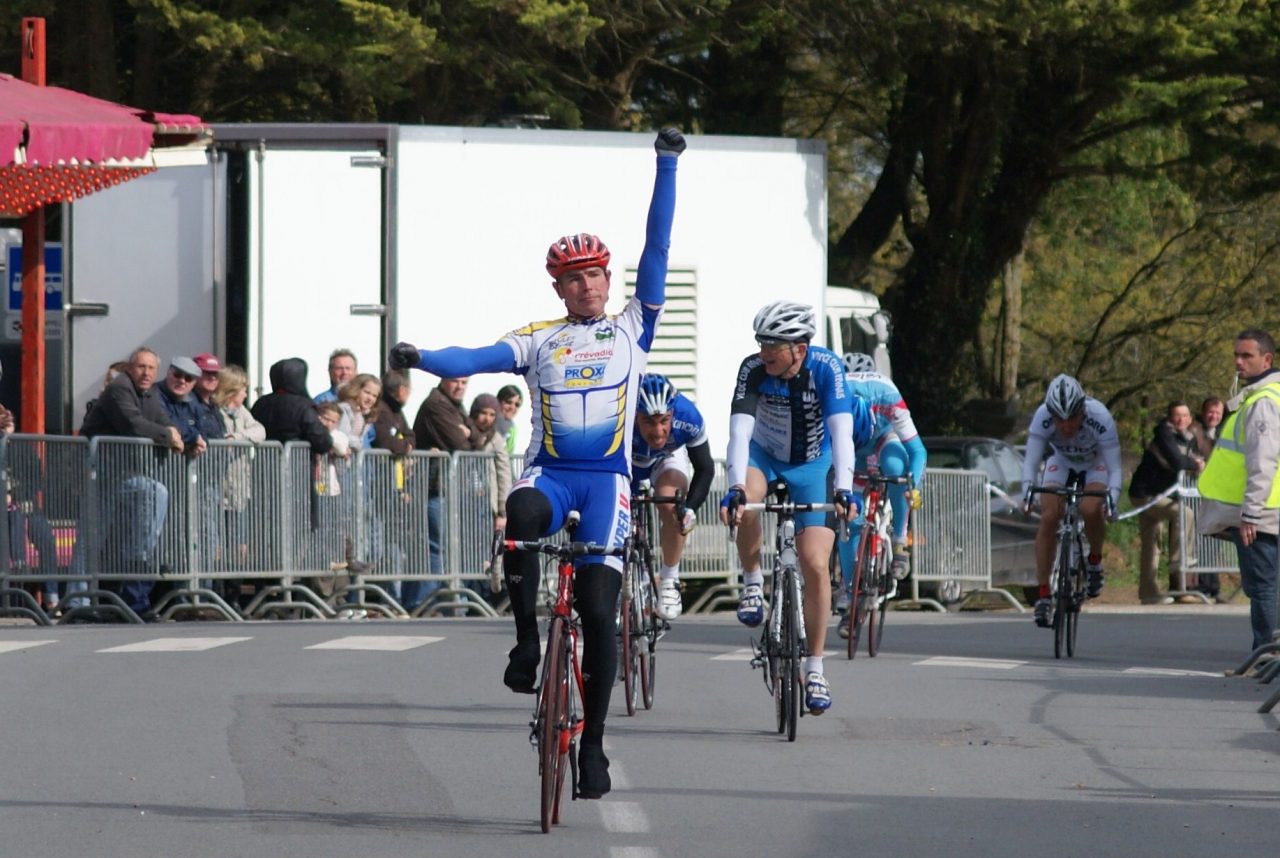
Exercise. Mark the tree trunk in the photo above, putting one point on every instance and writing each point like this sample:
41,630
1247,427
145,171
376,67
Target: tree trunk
1010,344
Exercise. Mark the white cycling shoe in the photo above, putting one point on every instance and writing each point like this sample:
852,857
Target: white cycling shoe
670,603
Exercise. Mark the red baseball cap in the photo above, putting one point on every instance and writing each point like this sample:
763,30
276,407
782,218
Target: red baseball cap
207,363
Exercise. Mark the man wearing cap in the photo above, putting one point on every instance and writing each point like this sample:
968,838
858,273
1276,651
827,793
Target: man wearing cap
180,405
210,423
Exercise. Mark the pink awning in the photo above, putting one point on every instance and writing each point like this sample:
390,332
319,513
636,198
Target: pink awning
57,145
55,126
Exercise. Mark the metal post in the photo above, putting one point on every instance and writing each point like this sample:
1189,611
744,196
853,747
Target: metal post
33,71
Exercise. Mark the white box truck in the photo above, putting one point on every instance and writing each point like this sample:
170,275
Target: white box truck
298,239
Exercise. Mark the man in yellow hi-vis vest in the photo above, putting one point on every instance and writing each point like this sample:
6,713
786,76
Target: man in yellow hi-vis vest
1240,487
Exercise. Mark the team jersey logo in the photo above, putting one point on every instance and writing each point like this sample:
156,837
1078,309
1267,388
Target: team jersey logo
589,375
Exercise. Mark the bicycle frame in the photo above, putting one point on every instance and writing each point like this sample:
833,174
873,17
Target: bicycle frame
640,626
556,723
1067,576
872,584
783,642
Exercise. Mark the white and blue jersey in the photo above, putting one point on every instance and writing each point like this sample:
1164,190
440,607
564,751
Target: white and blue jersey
687,429
889,413
583,377
793,427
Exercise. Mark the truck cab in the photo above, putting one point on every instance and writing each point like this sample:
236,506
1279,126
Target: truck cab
854,322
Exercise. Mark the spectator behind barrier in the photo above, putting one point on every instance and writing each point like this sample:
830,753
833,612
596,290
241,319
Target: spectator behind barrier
391,432
287,413
182,407
238,424
357,399
129,407
1172,449
209,420
342,368
496,480
509,401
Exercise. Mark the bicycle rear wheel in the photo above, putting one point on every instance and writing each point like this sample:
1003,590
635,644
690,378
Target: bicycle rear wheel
875,617
790,655
1073,615
552,703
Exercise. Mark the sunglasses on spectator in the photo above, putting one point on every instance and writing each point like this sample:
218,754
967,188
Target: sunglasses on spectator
181,376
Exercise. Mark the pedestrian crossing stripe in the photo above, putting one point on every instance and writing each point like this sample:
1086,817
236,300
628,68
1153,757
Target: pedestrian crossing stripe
14,646
735,655
1165,671
377,643
951,661
175,645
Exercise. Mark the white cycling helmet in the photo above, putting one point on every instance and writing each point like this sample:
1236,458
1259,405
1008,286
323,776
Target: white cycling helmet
855,362
787,321
1064,397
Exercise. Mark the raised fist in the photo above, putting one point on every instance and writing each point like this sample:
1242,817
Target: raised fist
403,356
670,142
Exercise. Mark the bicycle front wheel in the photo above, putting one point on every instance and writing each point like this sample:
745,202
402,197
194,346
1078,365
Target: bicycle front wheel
1061,599
875,616
790,655
627,651
553,705
864,575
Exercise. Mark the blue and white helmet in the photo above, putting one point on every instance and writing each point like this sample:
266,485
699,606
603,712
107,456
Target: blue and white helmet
656,394
855,362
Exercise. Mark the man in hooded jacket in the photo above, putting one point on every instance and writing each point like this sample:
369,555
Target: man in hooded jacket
287,412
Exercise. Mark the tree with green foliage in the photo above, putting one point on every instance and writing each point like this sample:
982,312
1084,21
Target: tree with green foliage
981,108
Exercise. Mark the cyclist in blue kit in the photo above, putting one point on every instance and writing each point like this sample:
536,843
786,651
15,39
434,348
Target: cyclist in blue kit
583,372
670,450
791,420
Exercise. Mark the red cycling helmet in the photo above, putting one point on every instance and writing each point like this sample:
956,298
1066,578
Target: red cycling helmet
575,252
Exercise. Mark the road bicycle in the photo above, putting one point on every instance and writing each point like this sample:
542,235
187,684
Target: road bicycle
557,722
640,626
782,642
1067,579
872,584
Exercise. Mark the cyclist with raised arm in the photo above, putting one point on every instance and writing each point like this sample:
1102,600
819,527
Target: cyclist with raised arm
583,372
791,420
891,448
670,450
1076,433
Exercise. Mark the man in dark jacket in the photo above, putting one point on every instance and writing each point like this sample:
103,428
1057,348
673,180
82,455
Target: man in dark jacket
442,425
180,404
1172,449
287,412
129,407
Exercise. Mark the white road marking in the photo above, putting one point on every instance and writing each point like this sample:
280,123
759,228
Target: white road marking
14,646
624,817
736,655
1166,671
175,645
377,643
951,661
632,851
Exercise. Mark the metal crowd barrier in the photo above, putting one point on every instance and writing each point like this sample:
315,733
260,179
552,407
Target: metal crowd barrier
951,534
1201,555
271,530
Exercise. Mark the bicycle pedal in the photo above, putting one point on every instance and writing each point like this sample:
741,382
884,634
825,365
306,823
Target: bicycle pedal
533,734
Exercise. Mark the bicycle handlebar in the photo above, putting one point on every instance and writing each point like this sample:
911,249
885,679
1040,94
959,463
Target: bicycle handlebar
1072,493
787,507
563,550
881,479
677,499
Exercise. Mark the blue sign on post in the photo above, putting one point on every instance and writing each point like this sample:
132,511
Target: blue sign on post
52,276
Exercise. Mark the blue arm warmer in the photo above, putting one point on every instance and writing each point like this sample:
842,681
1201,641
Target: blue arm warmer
651,274
457,362
916,457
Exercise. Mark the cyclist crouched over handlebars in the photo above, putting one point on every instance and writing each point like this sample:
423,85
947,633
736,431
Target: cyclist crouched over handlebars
670,440
583,372
1077,433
